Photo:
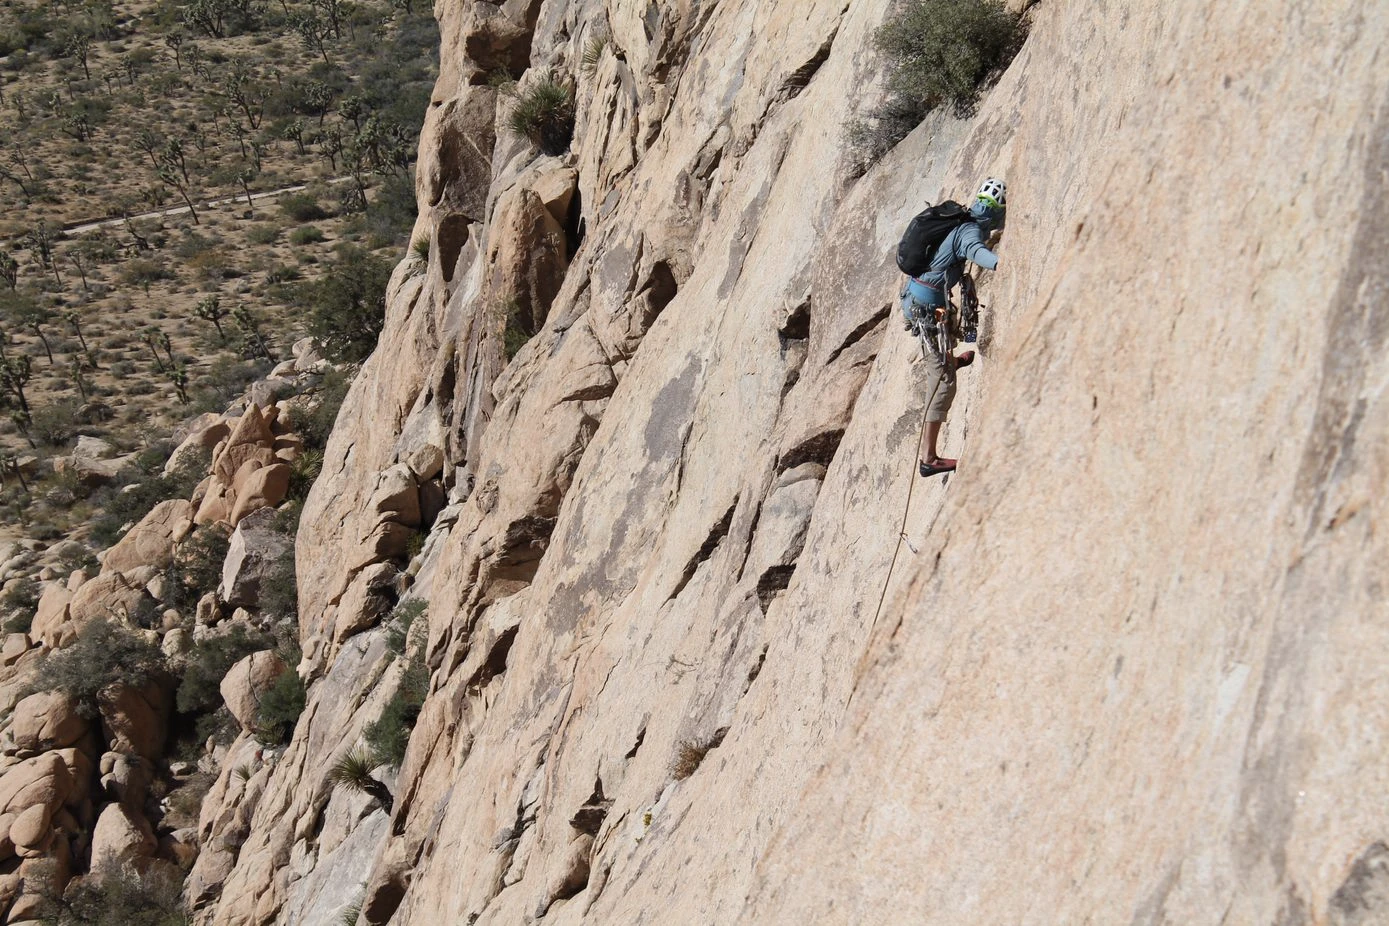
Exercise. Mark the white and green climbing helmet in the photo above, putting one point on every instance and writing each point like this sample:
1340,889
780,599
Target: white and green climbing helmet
994,192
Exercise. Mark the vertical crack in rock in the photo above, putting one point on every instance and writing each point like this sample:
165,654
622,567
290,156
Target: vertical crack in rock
800,78
711,543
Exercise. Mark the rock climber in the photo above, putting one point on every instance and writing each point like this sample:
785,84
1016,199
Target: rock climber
927,291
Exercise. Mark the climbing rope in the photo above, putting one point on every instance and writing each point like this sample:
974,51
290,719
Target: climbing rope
943,326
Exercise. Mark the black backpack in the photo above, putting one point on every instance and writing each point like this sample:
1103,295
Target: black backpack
925,233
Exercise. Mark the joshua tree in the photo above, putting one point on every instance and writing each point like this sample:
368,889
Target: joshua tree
254,339
75,320
77,371
295,131
40,242
15,373
175,40
150,143
22,420
170,177
173,157
79,46
178,375
243,90
30,313
9,270
210,308
152,338
9,466
244,177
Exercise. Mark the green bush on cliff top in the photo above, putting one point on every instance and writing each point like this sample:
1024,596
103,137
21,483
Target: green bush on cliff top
938,52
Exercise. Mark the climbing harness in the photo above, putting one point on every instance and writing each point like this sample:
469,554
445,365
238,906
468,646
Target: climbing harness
969,310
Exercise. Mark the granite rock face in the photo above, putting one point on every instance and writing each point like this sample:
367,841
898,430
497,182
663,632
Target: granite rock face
1127,665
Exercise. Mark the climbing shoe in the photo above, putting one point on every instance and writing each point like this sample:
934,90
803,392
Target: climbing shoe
964,360
937,466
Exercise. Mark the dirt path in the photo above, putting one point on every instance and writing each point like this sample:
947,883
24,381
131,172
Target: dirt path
84,227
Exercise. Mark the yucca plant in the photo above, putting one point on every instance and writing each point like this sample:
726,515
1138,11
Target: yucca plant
420,248
353,771
593,51
544,113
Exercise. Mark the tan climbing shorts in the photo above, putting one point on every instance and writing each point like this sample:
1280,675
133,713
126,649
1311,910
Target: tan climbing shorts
940,389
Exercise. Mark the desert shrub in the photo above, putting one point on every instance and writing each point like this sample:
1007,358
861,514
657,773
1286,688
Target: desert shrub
281,273
544,113
391,214
124,896
316,424
346,307
186,801
105,654
302,207
55,423
400,621
143,487
309,234
938,52
264,233
390,734
20,601
197,566
226,378
280,707
279,593
208,663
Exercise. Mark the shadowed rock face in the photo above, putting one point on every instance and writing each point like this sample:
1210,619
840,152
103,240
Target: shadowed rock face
1128,665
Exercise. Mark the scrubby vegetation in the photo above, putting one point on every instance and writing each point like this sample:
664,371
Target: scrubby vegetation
117,320
125,896
104,656
280,707
938,53
544,113
389,735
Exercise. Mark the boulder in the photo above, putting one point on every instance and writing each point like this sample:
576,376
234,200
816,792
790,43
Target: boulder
180,847
134,720
126,778
251,434
92,448
151,541
176,644
209,611
365,602
15,646
51,615
307,357
30,832
76,578
216,504
109,595
256,551
266,487
268,390
247,682
122,835
283,370
397,496
47,720
45,779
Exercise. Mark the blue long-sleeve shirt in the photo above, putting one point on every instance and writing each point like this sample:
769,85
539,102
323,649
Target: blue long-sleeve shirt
965,243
